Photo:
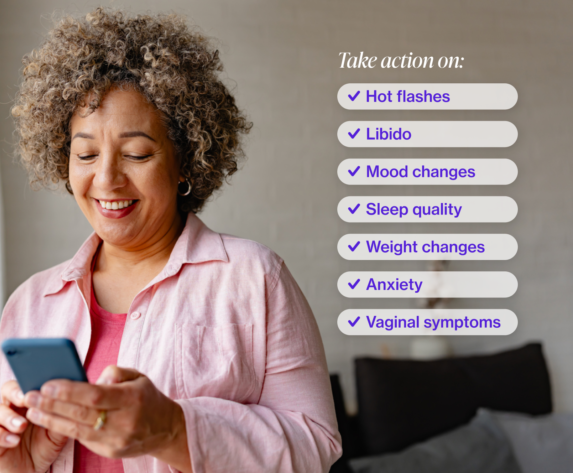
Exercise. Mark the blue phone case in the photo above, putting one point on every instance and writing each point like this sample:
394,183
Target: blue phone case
37,360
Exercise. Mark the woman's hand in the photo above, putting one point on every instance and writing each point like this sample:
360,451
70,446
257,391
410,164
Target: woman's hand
140,419
24,447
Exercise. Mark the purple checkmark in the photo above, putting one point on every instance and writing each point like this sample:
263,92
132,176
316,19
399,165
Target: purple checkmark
355,95
353,135
352,286
353,173
354,209
352,248
352,324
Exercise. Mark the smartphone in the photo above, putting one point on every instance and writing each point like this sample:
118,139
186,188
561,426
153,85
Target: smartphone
37,360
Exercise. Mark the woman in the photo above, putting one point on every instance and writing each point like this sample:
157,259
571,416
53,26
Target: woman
205,354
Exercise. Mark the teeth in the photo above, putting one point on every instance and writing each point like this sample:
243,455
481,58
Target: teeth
117,205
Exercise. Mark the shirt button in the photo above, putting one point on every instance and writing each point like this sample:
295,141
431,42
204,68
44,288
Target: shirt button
135,315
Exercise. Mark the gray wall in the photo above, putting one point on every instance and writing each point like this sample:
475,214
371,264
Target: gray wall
282,60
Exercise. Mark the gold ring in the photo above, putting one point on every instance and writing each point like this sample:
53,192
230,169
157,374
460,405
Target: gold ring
100,420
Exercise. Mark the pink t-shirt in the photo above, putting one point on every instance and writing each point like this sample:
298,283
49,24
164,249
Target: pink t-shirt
107,329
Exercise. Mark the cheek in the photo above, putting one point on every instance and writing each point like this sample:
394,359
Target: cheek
157,183
80,178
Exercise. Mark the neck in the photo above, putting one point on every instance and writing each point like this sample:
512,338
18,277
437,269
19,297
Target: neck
153,253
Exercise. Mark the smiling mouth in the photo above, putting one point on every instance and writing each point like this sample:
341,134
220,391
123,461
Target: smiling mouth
116,204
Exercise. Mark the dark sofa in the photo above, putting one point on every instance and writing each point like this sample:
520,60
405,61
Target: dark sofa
404,402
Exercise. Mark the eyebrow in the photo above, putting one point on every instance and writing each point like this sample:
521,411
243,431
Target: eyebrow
127,134
83,135
132,134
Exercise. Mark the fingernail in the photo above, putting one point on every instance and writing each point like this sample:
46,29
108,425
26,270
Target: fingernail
34,415
17,422
12,439
105,381
18,394
49,390
34,399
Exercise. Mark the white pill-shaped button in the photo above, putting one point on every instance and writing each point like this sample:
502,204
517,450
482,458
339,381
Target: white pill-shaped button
135,315
417,172
427,96
434,209
427,322
386,246
427,284
430,134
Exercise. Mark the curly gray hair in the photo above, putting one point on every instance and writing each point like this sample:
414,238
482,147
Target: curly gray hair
173,67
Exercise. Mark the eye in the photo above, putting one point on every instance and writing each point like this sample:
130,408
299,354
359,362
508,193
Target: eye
138,158
87,156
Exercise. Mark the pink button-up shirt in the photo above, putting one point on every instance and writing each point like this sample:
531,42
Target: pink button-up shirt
225,331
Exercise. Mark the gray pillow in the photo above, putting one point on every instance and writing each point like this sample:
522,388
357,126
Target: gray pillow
478,447
541,443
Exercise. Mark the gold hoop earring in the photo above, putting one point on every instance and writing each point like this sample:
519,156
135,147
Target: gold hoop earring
189,188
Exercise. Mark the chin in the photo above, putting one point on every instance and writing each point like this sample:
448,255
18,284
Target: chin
117,233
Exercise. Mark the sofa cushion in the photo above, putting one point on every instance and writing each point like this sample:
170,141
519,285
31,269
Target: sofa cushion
479,447
402,402
540,444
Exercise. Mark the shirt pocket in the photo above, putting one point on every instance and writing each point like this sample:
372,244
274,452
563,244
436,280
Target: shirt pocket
215,361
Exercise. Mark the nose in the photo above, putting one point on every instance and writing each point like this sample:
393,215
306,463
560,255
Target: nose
109,175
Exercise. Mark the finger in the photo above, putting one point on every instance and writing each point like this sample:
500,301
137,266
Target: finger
8,439
62,426
11,421
11,393
76,412
99,397
113,374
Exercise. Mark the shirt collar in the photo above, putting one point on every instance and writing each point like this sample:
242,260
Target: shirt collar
196,244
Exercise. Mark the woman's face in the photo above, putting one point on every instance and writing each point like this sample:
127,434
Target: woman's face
124,171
